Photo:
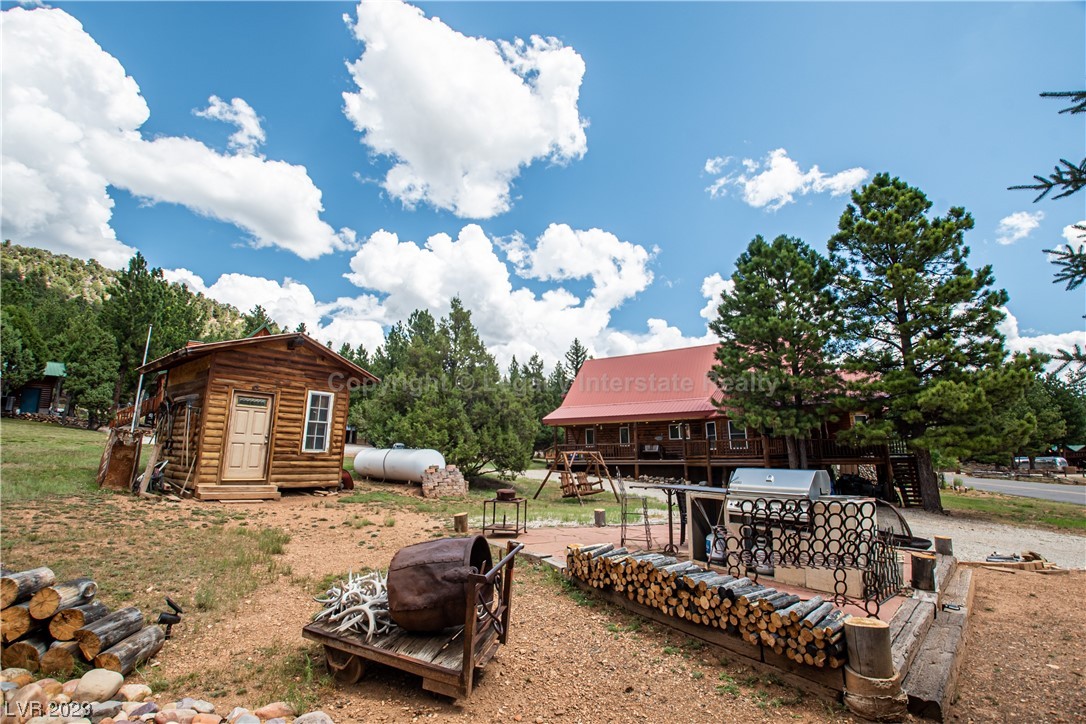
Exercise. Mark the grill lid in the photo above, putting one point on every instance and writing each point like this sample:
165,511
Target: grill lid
779,483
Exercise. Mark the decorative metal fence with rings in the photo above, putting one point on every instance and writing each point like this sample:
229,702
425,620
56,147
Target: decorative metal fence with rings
841,535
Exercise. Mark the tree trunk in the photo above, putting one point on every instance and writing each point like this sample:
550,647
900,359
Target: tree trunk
97,637
25,654
61,658
59,596
132,652
793,454
17,622
17,586
929,483
65,623
801,443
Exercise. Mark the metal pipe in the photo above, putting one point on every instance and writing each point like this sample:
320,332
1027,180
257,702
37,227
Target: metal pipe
139,387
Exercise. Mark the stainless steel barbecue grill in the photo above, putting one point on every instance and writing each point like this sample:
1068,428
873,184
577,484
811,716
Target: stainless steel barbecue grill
774,484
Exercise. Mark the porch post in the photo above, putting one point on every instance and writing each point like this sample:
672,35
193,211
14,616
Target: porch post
637,452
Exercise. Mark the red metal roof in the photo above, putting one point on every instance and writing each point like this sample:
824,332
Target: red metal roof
668,385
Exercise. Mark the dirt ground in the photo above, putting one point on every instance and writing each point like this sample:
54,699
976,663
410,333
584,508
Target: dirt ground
1025,655
569,658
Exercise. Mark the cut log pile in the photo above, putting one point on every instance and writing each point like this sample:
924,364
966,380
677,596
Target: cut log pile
809,632
52,626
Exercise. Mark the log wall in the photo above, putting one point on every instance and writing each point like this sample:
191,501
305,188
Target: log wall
288,375
187,381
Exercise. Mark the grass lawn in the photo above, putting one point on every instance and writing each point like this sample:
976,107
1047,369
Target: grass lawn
1015,510
40,459
550,507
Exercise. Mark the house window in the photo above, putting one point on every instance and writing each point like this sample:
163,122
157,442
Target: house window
624,436
737,436
589,436
710,431
675,432
318,415
860,418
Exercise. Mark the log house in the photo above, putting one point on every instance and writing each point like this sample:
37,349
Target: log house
249,417
660,414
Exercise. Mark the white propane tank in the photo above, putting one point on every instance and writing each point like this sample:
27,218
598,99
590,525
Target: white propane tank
396,463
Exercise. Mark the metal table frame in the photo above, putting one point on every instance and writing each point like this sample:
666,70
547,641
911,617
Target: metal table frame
671,491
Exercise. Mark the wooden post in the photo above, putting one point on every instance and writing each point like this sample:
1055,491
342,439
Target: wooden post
637,452
868,641
599,516
944,545
923,573
765,451
151,463
460,523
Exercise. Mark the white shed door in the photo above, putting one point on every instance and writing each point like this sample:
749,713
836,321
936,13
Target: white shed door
247,445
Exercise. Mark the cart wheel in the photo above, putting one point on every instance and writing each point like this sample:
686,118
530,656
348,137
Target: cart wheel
345,668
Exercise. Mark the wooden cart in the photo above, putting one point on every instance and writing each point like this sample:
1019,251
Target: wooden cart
448,660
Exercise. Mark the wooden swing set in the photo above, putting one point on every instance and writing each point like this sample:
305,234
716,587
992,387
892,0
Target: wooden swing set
575,484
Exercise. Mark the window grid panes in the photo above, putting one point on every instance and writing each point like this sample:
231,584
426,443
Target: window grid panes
318,415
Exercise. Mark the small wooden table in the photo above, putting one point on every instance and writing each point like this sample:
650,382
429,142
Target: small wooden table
519,524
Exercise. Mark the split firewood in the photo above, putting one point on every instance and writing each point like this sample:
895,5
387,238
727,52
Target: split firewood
59,596
15,587
96,637
131,652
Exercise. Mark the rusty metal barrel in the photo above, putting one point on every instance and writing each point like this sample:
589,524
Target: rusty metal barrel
427,582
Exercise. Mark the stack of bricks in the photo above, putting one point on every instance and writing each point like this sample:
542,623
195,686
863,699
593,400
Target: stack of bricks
447,482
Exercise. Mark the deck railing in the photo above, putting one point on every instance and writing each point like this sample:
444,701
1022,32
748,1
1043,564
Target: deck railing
818,451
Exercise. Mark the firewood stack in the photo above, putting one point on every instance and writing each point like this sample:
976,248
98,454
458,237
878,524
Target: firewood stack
809,632
50,627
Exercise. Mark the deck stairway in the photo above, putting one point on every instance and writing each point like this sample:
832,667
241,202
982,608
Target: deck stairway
237,492
907,480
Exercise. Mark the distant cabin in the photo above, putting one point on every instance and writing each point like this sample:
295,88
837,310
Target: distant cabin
44,394
250,417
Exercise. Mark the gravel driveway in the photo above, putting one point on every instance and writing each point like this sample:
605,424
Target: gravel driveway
974,540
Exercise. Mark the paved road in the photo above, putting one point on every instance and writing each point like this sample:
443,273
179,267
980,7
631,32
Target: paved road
1045,491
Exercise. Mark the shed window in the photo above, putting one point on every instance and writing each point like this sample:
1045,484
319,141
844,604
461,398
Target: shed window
317,422
624,436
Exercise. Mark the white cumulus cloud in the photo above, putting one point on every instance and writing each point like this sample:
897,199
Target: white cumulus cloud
71,120
250,134
777,180
712,287
458,116
1075,234
1047,343
396,277
1018,226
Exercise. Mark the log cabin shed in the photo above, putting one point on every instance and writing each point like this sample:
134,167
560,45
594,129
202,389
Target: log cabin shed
249,417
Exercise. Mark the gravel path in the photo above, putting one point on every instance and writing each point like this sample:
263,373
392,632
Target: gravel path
974,540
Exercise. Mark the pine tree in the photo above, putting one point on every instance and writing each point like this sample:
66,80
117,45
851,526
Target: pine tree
1066,177
923,324
779,323
576,356
91,367
256,318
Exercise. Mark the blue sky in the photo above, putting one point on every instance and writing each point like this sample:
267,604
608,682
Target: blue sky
581,180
